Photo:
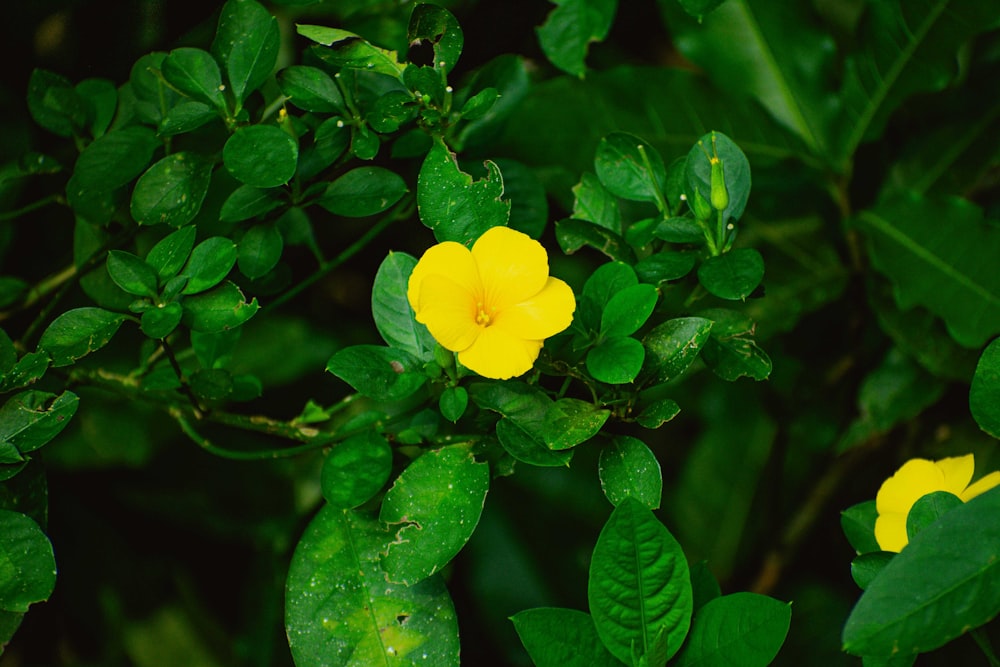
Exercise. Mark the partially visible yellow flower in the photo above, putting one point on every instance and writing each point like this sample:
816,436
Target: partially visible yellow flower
914,480
493,305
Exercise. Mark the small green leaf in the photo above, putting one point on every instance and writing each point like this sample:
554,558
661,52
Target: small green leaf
734,275
78,332
170,254
391,309
453,402
247,202
210,262
735,166
434,507
29,369
30,419
54,104
186,116
616,360
263,156
480,104
381,373
569,422
438,26
524,409
984,395
195,73
213,384
858,524
639,584
928,509
115,159
363,191
630,167
310,89
566,35
349,50
943,583
260,250
664,266
672,346
574,234
131,273
593,202
246,43
341,612
658,413
628,310
561,638
868,565
629,469
219,309
160,321
356,469
172,190
215,350
27,565
745,629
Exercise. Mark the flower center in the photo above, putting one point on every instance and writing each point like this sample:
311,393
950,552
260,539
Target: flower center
484,316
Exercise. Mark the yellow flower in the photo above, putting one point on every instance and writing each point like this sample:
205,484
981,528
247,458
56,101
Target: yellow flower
914,480
495,304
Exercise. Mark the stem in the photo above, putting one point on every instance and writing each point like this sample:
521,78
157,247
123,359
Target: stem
41,203
661,201
191,432
185,387
983,641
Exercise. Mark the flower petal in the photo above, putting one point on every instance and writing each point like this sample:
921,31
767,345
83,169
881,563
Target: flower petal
543,315
915,479
957,471
497,354
449,259
448,309
890,531
513,266
982,485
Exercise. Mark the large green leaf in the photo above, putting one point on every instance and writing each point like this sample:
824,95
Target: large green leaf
943,583
356,469
744,629
557,637
905,48
454,206
341,612
639,585
773,52
195,73
27,566
433,507
940,254
246,43
77,333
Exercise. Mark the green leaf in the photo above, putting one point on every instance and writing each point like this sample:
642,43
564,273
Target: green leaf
639,583
574,234
945,582
341,612
215,350
381,373
363,191
524,409
664,266
186,116
453,402
350,50
311,89
213,384
115,158
928,509
209,263
219,309
672,346
131,273
263,156
246,43
744,629
433,507
569,422
160,321
247,202
904,49
731,351
529,206
434,24
704,586
629,469
616,360
170,254
628,310
480,104
260,250
30,419
557,637
172,190
858,523
27,565
735,167
734,275
78,332
54,104
454,206
944,267
630,168
984,395
869,565
658,413
29,369
195,73
593,202
780,56
391,309
566,35
356,469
